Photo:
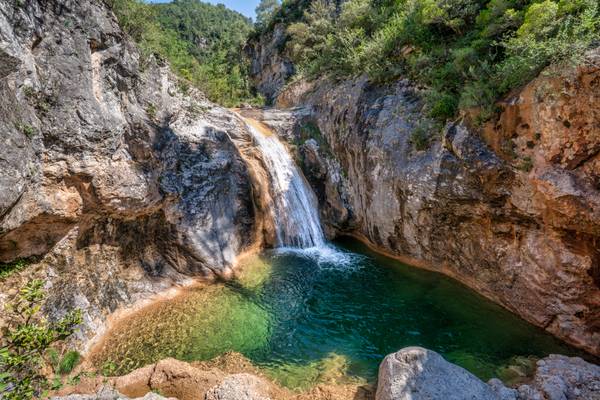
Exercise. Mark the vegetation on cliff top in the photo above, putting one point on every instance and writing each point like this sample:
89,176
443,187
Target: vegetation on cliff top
202,43
467,53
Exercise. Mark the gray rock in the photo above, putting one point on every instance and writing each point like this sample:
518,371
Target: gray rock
559,377
239,387
269,68
415,373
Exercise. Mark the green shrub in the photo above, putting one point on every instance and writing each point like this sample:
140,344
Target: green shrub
419,138
467,53
443,105
7,269
68,362
26,344
25,129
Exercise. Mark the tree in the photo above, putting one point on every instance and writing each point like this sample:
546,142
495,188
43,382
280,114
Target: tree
264,11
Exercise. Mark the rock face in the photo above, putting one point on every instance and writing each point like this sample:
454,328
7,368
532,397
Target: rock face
415,373
519,227
269,68
110,167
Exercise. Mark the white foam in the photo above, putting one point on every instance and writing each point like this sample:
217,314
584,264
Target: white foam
326,256
296,214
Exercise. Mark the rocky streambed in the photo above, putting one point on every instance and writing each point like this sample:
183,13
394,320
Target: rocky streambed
311,325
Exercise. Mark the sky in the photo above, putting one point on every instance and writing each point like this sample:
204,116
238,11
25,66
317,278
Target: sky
245,7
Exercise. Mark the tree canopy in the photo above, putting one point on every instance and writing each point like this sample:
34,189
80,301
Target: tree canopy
467,53
202,43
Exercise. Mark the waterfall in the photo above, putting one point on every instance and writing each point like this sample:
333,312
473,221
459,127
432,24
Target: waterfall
296,214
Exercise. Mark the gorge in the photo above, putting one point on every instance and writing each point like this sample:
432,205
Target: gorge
312,238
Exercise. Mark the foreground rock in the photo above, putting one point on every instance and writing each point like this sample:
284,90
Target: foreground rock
415,373
412,373
239,387
559,377
229,377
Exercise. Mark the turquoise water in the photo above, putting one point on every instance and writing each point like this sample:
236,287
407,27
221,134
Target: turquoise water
306,318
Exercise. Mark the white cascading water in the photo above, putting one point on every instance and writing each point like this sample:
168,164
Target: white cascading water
296,214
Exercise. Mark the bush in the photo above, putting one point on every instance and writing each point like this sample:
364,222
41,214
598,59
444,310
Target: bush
7,269
443,105
563,39
419,138
467,53
26,344
68,362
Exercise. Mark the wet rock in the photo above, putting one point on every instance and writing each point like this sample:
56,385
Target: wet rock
501,391
415,373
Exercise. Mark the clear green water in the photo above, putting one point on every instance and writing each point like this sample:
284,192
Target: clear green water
306,320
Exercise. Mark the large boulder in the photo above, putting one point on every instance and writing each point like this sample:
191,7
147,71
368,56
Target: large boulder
563,378
415,373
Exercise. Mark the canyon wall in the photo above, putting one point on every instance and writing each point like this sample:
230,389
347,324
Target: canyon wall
512,209
116,176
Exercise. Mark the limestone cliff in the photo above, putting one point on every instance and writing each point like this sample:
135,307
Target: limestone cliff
269,69
514,213
119,176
